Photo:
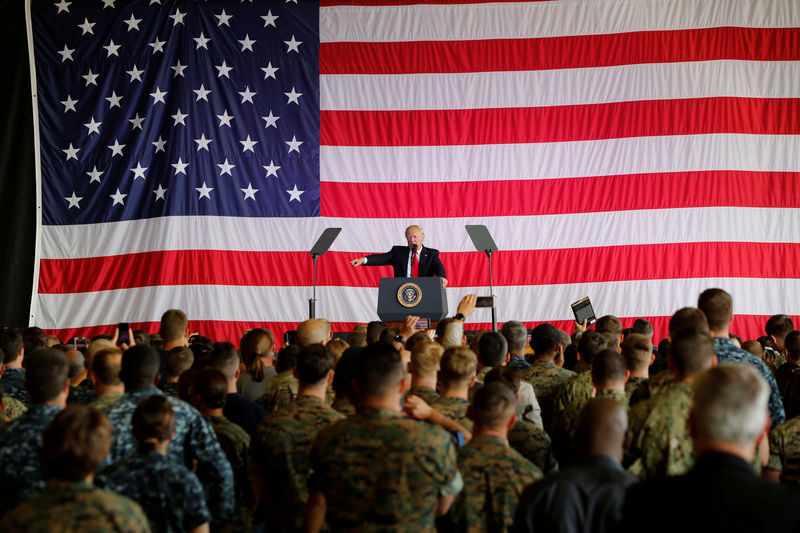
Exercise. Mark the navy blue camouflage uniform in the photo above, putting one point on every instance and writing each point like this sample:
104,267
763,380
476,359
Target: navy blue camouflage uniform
194,439
21,476
170,494
13,383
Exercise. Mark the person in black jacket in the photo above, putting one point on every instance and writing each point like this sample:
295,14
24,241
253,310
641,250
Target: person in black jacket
412,260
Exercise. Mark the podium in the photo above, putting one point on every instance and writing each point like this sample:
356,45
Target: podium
422,297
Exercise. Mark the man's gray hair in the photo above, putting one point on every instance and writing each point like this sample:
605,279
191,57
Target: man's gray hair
516,335
730,404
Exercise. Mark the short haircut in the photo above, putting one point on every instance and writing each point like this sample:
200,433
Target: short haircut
95,346
178,361
643,327
717,305
46,372
388,335
378,370
792,343
33,338
287,358
336,348
76,363
458,366
730,404
173,325
225,358
492,348
609,324
608,366
314,363
441,326
545,338
419,336
153,421
637,350
75,442
503,375
425,357
141,336
356,338
412,228
516,335
10,343
374,329
313,331
106,366
493,405
685,318
590,344
139,367
779,326
754,347
691,351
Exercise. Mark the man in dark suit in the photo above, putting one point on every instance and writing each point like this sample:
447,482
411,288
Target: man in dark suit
722,491
412,260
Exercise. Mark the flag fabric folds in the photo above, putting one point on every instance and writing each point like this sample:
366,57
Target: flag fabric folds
190,153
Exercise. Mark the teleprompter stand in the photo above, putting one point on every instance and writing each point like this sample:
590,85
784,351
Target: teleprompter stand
483,242
320,247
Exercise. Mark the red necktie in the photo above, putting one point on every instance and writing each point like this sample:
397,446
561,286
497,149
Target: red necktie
415,265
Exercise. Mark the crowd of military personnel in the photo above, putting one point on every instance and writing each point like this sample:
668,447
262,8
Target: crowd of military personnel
396,429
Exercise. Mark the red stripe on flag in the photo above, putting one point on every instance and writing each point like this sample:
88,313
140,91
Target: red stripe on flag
548,196
759,116
706,44
468,269
746,326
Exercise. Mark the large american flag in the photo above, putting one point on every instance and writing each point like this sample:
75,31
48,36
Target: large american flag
190,153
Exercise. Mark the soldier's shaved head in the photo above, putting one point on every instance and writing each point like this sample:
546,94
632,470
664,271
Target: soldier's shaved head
602,428
313,331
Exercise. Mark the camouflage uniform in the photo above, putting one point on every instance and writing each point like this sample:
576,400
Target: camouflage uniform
661,445
107,401
13,408
776,362
281,391
344,406
194,439
235,442
533,444
633,384
728,353
66,507
279,455
545,377
170,388
13,383
564,434
378,470
21,475
426,393
784,450
169,493
455,408
517,363
494,477
578,387
83,393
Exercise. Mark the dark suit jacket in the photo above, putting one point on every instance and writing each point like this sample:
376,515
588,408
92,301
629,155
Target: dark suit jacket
429,262
720,493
